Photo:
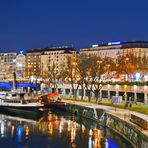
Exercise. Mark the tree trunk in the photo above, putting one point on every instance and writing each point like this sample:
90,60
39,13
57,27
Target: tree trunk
72,85
82,95
76,92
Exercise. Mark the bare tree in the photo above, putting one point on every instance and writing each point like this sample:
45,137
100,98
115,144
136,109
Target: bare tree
87,72
100,71
127,64
82,70
143,67
69,72
90,69
53,75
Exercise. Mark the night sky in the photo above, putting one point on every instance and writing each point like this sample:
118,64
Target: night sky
26,24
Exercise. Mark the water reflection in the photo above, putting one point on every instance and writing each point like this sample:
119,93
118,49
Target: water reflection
56,129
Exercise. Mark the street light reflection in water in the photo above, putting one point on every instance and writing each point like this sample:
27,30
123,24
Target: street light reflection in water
57,130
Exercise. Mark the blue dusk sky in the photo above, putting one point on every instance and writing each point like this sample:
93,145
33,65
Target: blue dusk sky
26,24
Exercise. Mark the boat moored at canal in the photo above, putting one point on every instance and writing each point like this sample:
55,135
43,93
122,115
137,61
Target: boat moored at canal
52,100
19,100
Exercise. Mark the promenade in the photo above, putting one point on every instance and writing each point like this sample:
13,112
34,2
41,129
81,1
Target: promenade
120,113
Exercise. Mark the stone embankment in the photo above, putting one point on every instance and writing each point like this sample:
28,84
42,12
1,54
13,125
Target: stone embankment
130,125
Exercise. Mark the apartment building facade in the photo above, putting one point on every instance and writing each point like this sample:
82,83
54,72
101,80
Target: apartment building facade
33,63
40,61
7,65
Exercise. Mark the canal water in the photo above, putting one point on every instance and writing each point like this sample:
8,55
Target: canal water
56,130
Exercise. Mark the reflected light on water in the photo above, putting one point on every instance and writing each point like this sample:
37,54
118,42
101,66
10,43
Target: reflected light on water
50,116
2,129
90,142
68,122
90,132
27,132
50,128
70,132
12,130
73,132
19,133
83,128
60,127
109,143
97,138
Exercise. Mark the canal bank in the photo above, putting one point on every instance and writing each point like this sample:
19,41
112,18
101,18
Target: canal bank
57,129
116,119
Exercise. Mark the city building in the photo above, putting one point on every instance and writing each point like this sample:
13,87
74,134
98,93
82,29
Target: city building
20,65
138,49
33,64
56,56
103,51
139,93
40,61
114,49
7,65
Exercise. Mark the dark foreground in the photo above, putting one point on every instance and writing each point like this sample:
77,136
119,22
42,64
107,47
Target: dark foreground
55,130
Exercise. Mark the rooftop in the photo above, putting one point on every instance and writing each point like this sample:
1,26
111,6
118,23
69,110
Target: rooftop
61,48
113,45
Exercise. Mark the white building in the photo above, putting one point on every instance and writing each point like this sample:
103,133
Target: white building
114,49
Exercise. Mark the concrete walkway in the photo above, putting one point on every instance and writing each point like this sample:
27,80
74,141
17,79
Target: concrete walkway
120,113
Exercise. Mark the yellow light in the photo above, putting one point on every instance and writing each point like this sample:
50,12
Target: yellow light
117,86
145,88
50,128
108,86
27,132
135,87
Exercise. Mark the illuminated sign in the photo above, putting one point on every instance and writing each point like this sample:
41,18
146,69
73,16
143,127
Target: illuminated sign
138,76
114,43
95,46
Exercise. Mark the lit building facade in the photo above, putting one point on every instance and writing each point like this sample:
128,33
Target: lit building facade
33,64
56,56
39,61
114,49
103,51
20,65
7,65
138,49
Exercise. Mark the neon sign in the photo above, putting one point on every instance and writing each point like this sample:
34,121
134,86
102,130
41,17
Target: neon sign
114,43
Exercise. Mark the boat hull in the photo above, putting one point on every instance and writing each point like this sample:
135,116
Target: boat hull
29,108
55,105
26,112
